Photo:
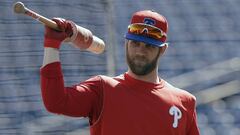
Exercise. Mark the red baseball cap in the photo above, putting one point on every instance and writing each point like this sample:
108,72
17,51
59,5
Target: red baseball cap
150,18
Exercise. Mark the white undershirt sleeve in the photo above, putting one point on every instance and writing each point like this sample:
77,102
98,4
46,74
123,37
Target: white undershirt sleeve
50,55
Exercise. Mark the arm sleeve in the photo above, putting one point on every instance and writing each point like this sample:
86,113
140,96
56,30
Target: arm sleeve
50,55
192,124
83,100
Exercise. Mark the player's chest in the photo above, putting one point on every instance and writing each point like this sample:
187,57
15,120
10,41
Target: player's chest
153,110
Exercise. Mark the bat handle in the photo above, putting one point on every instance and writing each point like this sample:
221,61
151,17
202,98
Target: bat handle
21,9
48,22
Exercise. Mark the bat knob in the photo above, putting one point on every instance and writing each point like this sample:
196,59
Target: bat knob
19,7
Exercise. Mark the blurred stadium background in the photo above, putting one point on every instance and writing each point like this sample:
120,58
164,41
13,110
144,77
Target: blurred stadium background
203,58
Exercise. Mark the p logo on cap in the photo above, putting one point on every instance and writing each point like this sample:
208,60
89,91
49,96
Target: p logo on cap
149,21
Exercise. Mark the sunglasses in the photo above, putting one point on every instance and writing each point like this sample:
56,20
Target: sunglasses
146,30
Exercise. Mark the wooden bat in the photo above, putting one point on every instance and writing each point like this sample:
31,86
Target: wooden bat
82,39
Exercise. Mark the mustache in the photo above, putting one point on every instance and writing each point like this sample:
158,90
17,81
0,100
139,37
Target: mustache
140,57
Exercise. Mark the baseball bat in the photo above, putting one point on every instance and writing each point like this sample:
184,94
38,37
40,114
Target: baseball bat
82,38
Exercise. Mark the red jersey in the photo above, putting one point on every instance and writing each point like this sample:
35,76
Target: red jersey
121,105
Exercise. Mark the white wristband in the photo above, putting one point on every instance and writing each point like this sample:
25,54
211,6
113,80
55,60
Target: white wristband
50,55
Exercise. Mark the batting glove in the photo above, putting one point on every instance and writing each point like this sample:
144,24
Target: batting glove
53,38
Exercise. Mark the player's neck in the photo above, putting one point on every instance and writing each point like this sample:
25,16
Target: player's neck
152,77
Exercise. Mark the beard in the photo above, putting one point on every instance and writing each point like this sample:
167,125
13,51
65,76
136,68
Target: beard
140,65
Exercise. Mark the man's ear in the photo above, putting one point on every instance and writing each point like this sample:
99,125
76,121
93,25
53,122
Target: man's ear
163,49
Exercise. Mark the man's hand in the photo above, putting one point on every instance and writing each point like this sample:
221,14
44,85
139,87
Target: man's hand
53,38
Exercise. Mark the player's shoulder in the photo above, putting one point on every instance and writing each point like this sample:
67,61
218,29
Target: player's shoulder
181,93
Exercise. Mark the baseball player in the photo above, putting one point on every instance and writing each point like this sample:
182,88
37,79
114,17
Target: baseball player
137,102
